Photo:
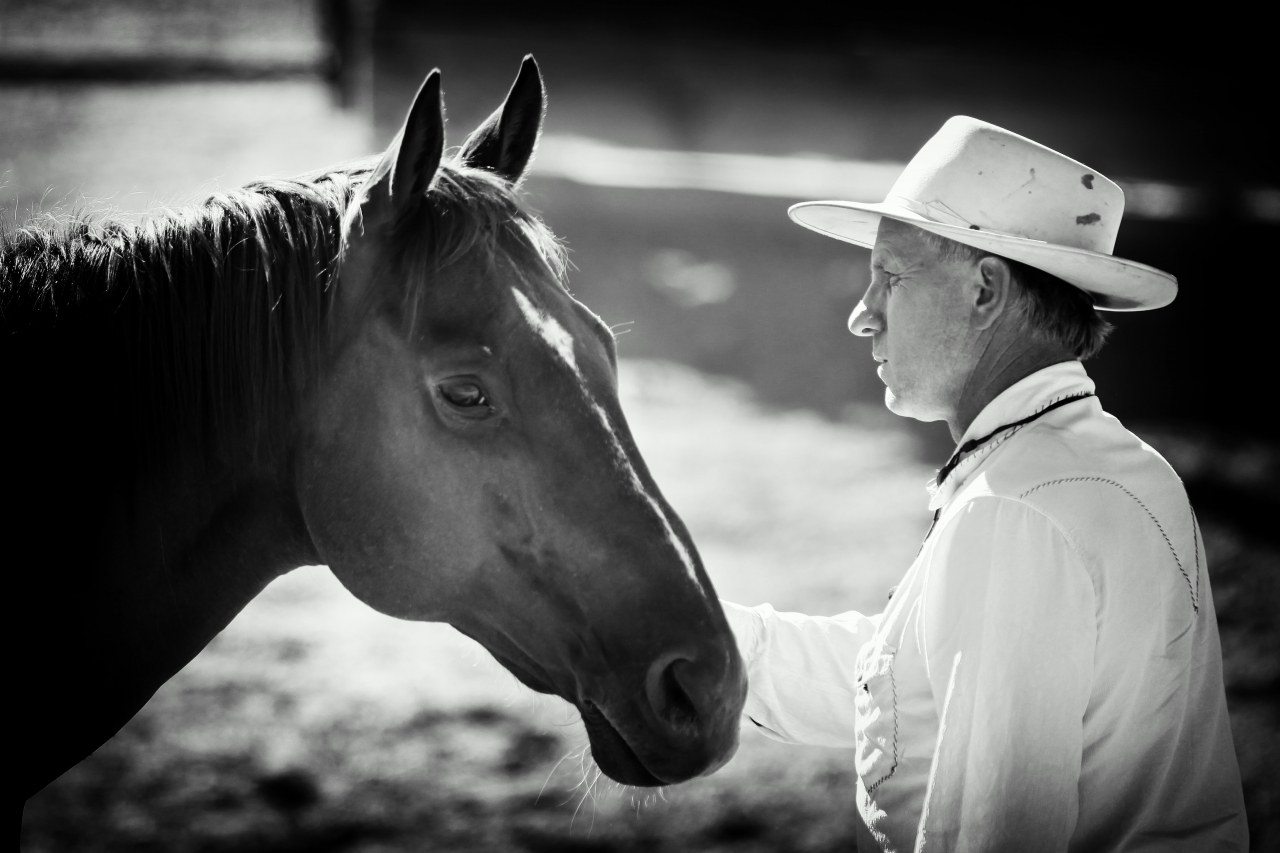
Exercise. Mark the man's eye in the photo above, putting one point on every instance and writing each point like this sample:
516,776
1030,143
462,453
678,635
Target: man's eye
464,394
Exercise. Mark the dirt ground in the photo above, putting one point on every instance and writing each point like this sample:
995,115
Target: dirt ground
314,724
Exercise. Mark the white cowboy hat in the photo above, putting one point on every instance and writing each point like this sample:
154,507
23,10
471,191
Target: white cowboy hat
1003,193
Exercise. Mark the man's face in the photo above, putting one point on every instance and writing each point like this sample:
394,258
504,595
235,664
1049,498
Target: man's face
915,313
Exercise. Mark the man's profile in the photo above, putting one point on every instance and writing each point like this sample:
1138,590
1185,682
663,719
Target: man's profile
1047,674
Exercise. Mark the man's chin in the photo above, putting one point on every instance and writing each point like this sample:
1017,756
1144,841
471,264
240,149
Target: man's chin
896,404
904,407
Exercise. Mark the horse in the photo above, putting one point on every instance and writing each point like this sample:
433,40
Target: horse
378,367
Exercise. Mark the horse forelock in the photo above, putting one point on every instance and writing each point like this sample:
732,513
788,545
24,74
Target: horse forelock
471,218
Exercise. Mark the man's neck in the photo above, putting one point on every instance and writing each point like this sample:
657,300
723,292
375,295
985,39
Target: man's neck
1000,365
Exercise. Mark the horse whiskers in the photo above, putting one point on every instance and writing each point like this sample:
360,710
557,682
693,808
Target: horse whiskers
590,785
581,755
552,772
585,771
647,798
589,793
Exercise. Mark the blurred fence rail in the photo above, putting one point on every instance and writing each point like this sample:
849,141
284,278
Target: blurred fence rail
166,41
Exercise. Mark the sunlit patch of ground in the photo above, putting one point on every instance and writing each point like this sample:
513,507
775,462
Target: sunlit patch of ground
313,723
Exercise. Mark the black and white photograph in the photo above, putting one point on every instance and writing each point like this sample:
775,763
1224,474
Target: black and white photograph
589,428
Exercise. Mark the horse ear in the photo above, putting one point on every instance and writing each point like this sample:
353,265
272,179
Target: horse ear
504,143
408,166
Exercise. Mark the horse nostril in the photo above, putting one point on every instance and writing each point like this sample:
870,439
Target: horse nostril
668,688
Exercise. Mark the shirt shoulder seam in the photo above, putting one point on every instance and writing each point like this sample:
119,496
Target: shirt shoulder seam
1041,513
1193,589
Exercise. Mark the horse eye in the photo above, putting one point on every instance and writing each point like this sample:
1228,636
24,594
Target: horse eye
464,394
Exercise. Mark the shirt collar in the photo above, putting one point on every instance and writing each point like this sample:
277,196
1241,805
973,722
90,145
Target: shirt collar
1024,397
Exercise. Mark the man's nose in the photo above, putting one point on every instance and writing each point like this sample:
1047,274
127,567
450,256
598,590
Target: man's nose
863,321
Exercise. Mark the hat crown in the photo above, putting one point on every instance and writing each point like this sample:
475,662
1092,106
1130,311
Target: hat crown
976,175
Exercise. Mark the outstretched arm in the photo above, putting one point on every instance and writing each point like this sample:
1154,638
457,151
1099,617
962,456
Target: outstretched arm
800,671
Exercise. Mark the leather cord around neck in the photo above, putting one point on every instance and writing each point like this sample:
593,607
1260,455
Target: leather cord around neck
975,443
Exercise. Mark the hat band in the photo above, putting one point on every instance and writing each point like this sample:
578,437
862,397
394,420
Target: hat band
937,210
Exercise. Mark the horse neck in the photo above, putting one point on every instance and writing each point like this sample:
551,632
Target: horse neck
161,368
239,324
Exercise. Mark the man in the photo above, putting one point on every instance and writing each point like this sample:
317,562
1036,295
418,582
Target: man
1047,675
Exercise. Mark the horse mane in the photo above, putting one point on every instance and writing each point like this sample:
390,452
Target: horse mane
214,315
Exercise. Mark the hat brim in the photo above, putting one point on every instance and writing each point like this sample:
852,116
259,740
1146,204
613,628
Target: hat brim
1116,284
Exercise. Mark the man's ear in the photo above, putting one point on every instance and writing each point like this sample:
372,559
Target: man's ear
992,292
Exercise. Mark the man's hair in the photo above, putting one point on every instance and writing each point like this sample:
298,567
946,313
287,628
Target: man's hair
1054,310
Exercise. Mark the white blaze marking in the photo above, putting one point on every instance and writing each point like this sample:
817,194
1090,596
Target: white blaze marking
550,330
561,342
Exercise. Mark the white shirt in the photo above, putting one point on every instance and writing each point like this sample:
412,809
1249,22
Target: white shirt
1047,675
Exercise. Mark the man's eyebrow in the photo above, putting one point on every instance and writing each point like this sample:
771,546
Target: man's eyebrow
882,253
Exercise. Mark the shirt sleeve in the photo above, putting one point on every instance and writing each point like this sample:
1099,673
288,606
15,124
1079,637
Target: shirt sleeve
1009,626
800,685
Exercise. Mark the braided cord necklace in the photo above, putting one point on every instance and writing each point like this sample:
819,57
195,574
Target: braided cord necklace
975,443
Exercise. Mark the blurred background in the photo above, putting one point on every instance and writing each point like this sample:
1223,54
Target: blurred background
674,141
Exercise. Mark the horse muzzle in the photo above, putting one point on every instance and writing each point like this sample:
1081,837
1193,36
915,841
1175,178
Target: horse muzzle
682,724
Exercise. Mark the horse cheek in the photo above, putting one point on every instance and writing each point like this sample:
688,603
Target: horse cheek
359,479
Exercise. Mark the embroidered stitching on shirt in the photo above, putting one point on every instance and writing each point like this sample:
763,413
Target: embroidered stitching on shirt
893,688
1195,542
1194,591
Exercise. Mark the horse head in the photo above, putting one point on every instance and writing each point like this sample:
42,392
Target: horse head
464,457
